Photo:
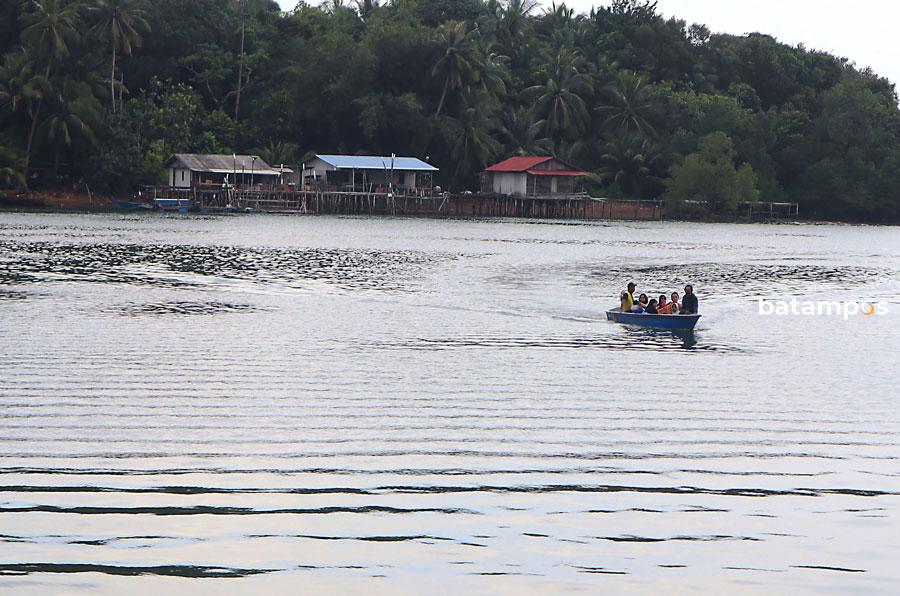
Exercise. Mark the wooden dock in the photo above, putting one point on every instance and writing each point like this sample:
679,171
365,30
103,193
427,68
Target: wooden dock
581,206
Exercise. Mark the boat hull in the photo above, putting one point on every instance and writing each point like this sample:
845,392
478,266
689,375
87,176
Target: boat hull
683,322
133,206
180,205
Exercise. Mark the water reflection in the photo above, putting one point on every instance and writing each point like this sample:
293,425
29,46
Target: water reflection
686,338
630,338
186,571
435,401
181,266
751,279
12,295
186,308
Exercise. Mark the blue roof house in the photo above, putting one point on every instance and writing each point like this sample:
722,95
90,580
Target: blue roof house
369,173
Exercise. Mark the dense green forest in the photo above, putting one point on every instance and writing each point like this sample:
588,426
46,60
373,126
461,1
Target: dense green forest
102,92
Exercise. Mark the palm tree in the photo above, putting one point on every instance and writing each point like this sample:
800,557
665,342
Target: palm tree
460,61
50,26
12,167
74,112
20,92
559,101
559,24
523,134
578,150
242,55
473,144
493,75
276,153
559,16
488,24
628,104
513,28
631,162
119,21
20,87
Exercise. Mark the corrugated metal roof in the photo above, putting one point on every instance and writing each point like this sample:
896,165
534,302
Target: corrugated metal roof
557,173
376,162
518,164
224,164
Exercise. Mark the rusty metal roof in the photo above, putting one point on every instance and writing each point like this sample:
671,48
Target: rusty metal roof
529,164
557,173
223,164
518,164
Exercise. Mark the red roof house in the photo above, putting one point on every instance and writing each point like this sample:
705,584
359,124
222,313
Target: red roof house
530,177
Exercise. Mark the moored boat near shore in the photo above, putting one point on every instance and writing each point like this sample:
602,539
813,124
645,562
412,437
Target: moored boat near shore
173,204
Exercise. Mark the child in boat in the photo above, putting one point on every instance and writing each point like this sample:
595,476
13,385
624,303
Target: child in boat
675,303
651,308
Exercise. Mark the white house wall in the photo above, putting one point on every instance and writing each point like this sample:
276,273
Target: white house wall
321,169
510,183
179,178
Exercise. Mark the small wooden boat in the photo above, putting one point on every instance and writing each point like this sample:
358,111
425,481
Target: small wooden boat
132,205
180,205
682,322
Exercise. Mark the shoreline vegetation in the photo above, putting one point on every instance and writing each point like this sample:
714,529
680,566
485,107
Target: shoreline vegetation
98,94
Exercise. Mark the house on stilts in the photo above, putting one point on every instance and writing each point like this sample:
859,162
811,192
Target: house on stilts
371,174
194,171
532,177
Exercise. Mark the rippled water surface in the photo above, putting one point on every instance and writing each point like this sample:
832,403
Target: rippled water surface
409,405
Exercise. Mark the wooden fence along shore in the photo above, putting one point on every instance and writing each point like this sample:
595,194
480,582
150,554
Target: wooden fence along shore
462,205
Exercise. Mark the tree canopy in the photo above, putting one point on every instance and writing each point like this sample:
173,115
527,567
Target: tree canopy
102,92
710,175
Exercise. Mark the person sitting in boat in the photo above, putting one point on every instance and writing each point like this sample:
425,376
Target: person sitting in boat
690,305
627,298
664,307
640,305
675,303
651,308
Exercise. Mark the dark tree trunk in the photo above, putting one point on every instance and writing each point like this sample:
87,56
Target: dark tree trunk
31,131
56,163
443,97
112,79
240,81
